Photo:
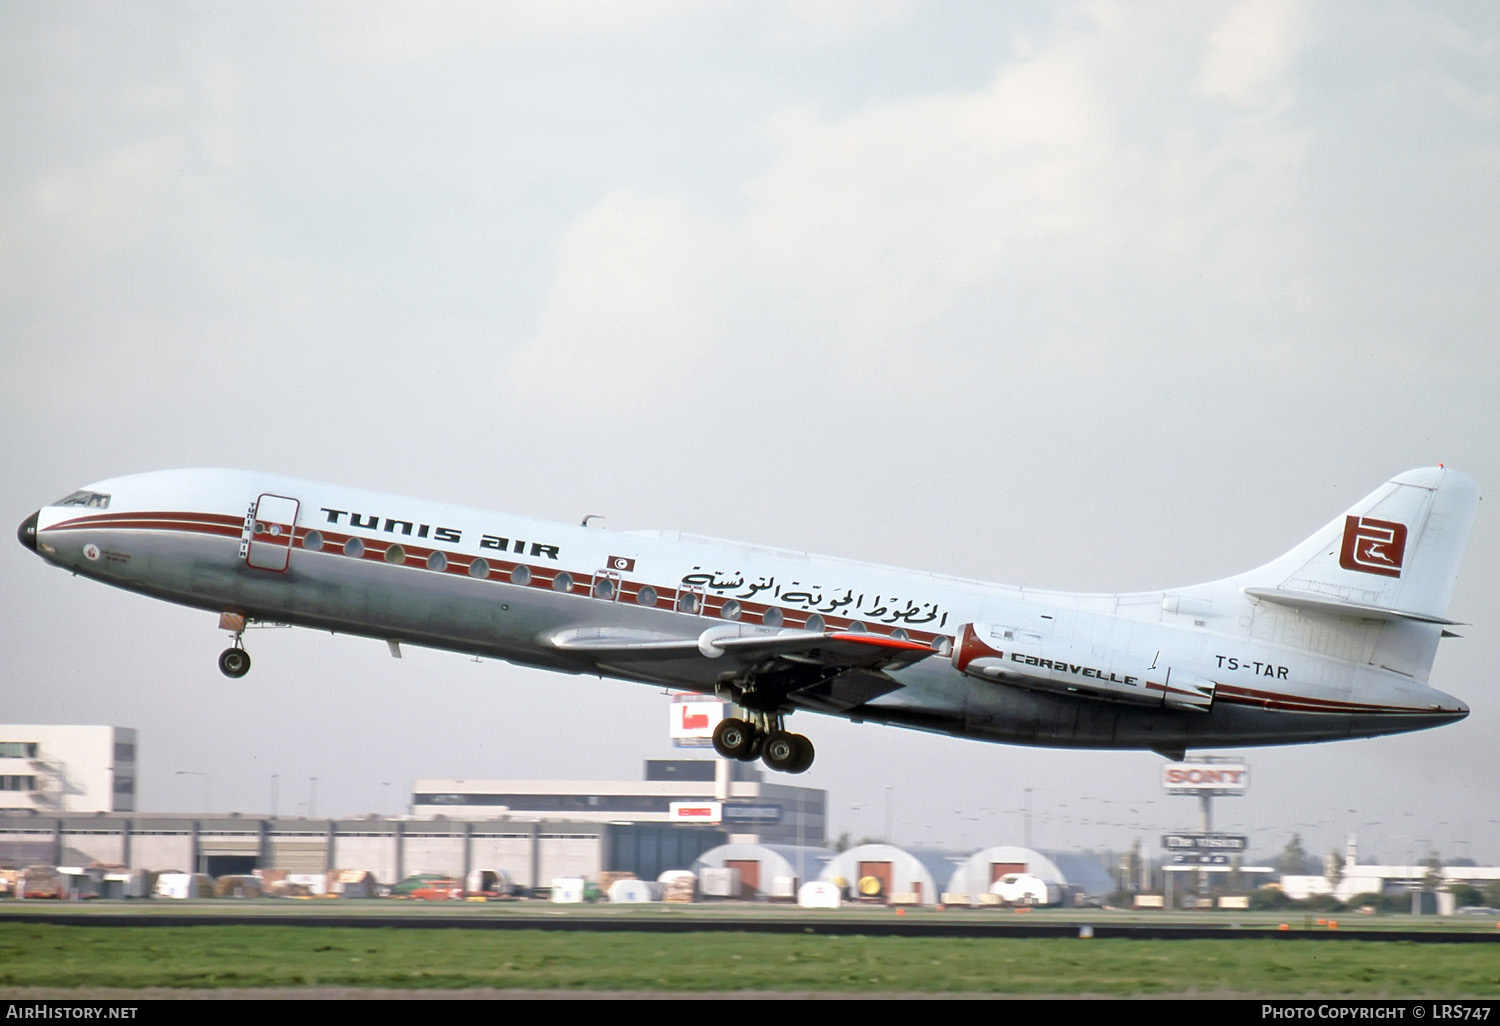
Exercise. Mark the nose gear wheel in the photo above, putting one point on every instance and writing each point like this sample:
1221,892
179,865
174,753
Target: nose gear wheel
234,662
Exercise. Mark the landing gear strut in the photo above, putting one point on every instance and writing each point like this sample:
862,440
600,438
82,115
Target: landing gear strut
776,747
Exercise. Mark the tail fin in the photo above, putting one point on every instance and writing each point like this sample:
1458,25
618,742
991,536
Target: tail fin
1393,555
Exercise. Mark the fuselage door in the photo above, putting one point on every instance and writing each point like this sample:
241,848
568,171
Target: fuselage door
692,598
270,545
606,585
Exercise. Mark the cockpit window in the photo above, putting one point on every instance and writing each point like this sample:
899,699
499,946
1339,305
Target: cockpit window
92,500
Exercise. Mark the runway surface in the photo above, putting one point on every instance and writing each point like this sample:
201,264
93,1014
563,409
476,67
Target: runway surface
763,920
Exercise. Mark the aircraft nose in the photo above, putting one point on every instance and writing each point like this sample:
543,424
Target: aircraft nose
27,531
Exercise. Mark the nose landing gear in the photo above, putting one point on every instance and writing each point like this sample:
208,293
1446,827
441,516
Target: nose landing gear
776,747
234,661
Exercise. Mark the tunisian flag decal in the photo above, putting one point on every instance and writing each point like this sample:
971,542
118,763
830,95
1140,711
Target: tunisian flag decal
623,564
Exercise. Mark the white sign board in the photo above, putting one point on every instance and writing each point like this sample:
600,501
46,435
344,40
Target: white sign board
696,812
1206,777
693,719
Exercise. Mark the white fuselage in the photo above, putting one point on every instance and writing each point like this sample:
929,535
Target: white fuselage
1159,670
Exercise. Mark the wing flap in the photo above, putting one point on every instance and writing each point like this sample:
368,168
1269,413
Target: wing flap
843,691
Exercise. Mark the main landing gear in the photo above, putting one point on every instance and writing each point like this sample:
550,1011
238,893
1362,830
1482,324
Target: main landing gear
767,741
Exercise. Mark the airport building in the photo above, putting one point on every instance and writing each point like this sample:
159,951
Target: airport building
531,854
1355,878
728,795
50,768
69,798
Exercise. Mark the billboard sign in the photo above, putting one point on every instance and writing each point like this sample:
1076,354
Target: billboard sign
1204,842
696,812
1226,777
692,721
1200,858
769,813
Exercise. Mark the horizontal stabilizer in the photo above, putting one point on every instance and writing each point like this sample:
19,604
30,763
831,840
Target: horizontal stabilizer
1339,607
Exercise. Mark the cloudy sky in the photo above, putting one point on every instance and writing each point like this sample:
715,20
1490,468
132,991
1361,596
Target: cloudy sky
1095,296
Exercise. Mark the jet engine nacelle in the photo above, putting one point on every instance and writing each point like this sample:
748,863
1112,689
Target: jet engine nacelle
997,653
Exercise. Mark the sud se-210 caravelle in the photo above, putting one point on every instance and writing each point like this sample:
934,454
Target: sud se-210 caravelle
1335,639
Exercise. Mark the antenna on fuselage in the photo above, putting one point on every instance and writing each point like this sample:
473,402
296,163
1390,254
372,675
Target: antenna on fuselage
592,516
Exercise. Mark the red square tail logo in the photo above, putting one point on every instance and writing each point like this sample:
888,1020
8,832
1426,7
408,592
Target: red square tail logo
1373,546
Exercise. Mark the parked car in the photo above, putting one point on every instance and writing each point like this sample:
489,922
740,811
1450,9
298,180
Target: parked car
1026,889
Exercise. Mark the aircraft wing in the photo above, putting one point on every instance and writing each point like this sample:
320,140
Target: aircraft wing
832,671
832,648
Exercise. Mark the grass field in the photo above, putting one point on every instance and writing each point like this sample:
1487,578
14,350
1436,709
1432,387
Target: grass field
271,956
